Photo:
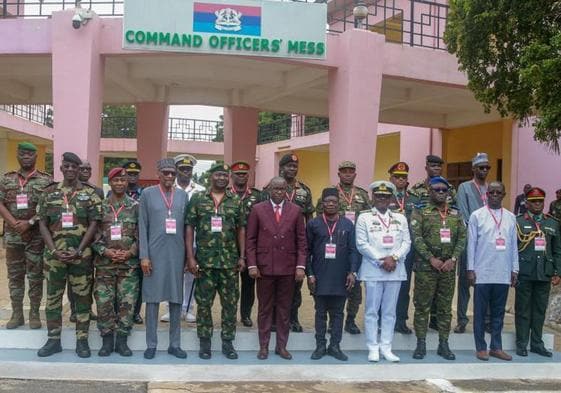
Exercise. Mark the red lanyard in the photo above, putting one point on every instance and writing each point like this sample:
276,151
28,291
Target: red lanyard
387,226
482,195
116,213
245,194
26,179
536,224
67,200
217,203
443,216
401,204
497,223
350,199
330,230
169,203
291,196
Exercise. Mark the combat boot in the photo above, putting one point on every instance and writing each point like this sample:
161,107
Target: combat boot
121,346
228,349
16,319
83,348
34,317
421,350
51,347
204,349
444,350
321,349
350,326
108,345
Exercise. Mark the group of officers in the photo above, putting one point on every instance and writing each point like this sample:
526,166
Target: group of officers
180,243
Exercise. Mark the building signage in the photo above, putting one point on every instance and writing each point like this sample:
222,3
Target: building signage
238,27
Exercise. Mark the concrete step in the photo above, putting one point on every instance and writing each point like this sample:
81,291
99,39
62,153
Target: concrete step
24,338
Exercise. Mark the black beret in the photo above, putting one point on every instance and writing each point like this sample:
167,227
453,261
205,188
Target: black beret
434,159
330,191
71,157
288,158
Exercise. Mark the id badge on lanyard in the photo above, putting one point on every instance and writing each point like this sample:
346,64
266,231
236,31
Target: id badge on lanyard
388,241
500,243
171,226
22,201
68,220
216,224
330,251
445,235
350,215
116,231
539,243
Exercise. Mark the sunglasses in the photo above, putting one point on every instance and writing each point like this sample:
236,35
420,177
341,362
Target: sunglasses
440,190
495,192
168,173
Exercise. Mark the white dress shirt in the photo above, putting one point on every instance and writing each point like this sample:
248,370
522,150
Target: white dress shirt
370,229
191,188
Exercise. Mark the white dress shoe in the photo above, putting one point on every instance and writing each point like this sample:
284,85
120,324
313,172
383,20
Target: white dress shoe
388,355
190,317
374,354
165,317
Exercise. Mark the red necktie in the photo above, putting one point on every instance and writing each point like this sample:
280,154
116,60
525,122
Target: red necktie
277,213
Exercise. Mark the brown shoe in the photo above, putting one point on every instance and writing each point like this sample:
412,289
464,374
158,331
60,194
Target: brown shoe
283,353
500,354
263,353
482,355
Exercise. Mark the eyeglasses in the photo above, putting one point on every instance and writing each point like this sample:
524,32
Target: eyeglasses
440,190
495,192
168,173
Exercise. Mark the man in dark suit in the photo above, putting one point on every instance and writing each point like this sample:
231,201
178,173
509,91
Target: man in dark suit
276,257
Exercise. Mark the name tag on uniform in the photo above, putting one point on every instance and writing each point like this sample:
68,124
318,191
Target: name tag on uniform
539,243
350,215
116,232
445,235
68,220
171,226
22,201
387,241
500,243
216,224
330,251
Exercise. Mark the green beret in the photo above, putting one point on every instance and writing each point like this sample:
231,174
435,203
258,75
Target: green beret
27,146
219,168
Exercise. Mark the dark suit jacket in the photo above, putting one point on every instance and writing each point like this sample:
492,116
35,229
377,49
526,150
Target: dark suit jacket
276,249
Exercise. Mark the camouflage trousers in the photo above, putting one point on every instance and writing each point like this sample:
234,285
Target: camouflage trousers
226,283
80,277
115,288
25,258
354,300
431,285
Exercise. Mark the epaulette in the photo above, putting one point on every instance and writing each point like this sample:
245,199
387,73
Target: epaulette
254,189
10,173
364,211
361,189
89,185
53,183
43,173
453,211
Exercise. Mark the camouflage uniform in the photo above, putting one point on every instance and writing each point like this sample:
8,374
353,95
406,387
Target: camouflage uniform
247,293
24,252
534,277
116,283
217,257
429,283
85,206
359,201
555,209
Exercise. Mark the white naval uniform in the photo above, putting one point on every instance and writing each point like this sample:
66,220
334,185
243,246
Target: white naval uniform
382,287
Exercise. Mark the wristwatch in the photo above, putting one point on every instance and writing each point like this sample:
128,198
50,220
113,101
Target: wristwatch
79,253
31,221
355,275
395,257
454,259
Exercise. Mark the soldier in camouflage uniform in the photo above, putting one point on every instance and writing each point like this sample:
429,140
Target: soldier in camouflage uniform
352,200
300,194
116,268
555,206
19,194
249,197
539,248
219,219
69,213
439,237
420,197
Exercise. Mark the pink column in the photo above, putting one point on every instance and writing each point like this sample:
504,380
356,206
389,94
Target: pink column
78,71
240,135
354,102
152,136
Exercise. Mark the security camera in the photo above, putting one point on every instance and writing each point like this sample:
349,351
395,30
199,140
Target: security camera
81,17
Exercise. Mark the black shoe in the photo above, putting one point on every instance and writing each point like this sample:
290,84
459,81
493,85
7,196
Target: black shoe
444,350
51,347
488,328
228,350
401,327
149,353
329,330
541,351
273,328
137,319
93,317
433,324
204,349
83,348
73,318
121,346
522,352
246,321
336,352
177,352
319,352
421,350
296,327
460,328
107,346
351,327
